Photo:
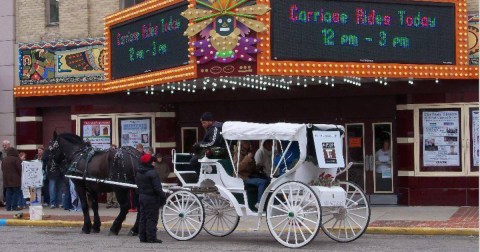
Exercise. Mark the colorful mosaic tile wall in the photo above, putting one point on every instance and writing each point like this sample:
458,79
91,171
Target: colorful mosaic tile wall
69,61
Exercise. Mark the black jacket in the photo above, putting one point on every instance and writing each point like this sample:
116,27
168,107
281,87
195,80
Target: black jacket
148,182
212,137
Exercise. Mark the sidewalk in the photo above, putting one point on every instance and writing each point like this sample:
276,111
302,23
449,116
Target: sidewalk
428,220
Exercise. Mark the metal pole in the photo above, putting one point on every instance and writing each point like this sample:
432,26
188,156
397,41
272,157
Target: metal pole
103,181
165,186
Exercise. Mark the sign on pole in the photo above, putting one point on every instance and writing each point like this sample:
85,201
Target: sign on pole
328,147
32,175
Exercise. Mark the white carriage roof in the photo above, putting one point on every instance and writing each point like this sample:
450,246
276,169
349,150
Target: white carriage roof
233,130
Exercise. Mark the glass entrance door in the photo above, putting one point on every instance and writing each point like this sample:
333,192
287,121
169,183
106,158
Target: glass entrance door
355,152
382,156
369,148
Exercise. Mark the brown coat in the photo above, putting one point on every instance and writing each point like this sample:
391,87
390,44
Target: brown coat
163,171
12,169
247,165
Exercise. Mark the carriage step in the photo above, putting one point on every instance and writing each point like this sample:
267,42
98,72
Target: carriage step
186,172
204,189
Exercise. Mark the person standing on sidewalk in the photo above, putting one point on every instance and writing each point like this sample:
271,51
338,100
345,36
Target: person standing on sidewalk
12,178
134,202
162,168
111,198
44,190
55,184
151,198
22,202
67,198
3,154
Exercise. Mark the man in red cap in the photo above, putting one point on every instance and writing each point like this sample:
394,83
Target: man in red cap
151,199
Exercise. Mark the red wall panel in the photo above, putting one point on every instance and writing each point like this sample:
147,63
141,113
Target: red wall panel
405,157
29,133
165,129
405,123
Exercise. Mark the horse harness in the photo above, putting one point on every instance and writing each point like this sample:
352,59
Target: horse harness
86,154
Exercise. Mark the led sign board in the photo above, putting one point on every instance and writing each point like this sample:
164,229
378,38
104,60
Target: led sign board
150,43
360,31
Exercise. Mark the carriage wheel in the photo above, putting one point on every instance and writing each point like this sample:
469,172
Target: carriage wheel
294,214
183,215
347,223
221,219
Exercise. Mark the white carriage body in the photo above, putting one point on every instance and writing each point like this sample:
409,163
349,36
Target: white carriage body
212,170
292,200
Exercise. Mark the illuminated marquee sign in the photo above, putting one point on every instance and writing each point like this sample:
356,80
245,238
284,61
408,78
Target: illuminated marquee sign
357,31
150,43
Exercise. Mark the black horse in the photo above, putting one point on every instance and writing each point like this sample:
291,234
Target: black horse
83,161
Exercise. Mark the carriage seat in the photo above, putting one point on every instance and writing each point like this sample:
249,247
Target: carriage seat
250,190
184,169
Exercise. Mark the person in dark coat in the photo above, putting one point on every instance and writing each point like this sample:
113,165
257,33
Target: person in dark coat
12,178
212,138
151,198
55,182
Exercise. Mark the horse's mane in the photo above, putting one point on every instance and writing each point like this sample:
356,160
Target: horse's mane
72,138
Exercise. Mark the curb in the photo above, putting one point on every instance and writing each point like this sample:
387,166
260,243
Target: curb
51,223
423,231
370,230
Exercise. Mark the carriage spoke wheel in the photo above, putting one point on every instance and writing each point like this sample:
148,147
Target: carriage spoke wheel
183,215
294,214
221,219
349,222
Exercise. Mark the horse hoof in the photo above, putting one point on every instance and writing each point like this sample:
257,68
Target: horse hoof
85,232
96,231
111,233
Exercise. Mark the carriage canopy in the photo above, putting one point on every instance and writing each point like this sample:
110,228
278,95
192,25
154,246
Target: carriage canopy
234,130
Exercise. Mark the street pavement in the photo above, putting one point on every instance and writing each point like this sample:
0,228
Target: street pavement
424,220
69,239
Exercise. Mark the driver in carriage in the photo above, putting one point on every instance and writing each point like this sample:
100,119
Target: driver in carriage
212,139
247,169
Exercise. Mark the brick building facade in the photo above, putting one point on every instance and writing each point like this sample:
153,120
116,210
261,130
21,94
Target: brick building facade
7,49
367,112
77,19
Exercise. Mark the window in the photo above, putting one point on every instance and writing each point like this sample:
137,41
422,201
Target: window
441,139
97,131
446,139
134,131
52,12
474,140
129,3
189,138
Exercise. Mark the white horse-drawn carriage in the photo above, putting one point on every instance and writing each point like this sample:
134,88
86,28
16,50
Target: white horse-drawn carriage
295,208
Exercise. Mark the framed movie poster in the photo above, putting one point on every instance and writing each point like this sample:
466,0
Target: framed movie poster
441,140
97,131
474,139
135,131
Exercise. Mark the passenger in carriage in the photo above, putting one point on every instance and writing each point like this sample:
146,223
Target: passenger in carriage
247,169
212,138
263,157
291,155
